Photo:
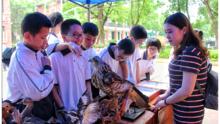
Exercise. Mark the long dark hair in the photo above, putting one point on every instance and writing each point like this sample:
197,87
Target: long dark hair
190,38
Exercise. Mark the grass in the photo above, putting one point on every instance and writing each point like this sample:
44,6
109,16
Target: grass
213,53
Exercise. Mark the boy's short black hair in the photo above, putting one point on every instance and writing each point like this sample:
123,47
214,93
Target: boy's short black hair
33,22
127,46
154,42
138,32
65,26
55,18
90,28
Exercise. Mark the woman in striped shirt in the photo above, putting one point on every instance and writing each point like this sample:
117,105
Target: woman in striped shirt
187,67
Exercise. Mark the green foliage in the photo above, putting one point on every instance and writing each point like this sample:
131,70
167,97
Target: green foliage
153,19
120,8
203,22
177,5
100,45
165,52
213,54
69,10
19,8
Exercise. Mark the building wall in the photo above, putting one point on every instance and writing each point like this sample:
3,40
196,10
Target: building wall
6,24
115,32
55,6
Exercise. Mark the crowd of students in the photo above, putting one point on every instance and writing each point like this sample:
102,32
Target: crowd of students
50,69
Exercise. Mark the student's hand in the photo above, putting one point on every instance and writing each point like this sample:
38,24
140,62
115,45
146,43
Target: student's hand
77,50
45,61
62,46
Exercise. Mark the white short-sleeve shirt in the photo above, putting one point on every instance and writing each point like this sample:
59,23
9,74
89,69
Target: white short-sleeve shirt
71,73
132,61
107,58
89,54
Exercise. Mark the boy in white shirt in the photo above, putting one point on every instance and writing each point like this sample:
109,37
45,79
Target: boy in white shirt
54,43
72,72
30,74
138,35
90,33
149,57
116,55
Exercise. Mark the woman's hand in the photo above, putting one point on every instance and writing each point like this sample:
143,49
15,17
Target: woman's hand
160,97
160,104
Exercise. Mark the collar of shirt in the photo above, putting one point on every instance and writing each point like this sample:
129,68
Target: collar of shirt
74,44
83,48
52,33
22,46
30,48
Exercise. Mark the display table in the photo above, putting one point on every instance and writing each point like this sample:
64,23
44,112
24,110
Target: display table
152,90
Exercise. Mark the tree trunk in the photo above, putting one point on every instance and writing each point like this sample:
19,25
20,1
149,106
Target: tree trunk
100,38
136,10
178,6
187,9
102,18
131,11
214,20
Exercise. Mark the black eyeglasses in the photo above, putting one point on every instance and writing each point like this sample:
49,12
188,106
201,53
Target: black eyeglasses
74,35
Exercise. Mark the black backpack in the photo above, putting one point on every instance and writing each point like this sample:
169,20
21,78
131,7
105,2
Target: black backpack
211,92
6,55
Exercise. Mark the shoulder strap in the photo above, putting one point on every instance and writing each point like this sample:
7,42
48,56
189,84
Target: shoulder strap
209,67
200,89
197,85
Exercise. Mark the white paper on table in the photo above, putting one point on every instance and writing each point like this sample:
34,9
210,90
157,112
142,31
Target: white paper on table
154,85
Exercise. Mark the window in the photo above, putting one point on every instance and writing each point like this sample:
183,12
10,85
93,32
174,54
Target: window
113,35
119,35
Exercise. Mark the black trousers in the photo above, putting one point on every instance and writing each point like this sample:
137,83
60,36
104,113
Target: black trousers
43,109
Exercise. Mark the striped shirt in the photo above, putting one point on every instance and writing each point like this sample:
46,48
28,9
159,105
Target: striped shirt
191,109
